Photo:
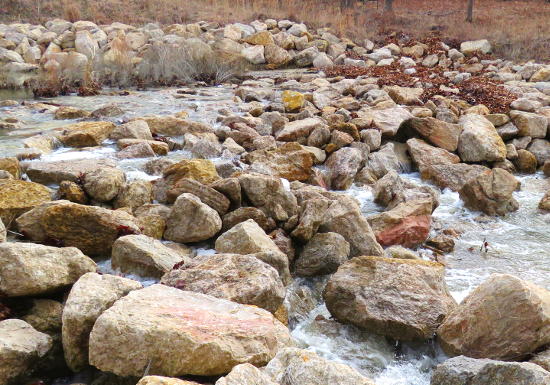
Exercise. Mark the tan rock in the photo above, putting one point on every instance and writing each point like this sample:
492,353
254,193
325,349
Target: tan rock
293,100
245,374
244,213
544,203
425,155
159,380
530,124
201,170
311,216
260,38
542,359
388,120
435,131
177,332
343,166
290,161
479,140
323,254
85,134
67,112
3,232
18,197
206,194
134,194
90,296
503,318
453,176
245,238
269,195
400,298
104,184
58,171
45,315
72,192
136,129
12,166
298,129
29,269
405,95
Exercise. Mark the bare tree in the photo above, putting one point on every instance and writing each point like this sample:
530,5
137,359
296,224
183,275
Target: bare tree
470,14
388,6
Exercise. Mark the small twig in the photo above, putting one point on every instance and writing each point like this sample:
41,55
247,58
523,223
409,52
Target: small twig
147,368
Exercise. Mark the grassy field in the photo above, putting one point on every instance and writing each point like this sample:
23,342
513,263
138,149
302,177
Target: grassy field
519,29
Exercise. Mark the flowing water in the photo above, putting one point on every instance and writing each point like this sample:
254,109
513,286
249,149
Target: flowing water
519,243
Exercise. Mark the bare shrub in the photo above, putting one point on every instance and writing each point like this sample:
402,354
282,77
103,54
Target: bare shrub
71,11
115,66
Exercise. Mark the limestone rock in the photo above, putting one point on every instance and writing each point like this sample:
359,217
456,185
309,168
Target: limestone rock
293,101
470,371
246,374
28,269
144,256
191,220
323,254
388,120
293,366
72,192
18,197
160,380
104,184
405,95
343,166
479,140
67,112
298,129
21,348
12,166
269,195
453,176
392,190
244,213
135,129
425,155
180,332
437,132
245,238
503,318
400,298
206,194
491,192
91,229
59,171
475,46
541,149
311,216
542,359
530,124
85,134
239,278
90,296
134,194
201,170
290,161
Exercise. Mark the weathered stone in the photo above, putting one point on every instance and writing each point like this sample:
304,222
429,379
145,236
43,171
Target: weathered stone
90,296
160,380
175,332
206,194
85,134
28,269
254,54
139,150
136,129
245,238
231,188
399,298
18,197
470,371
158,147
12,166
323,254
201,170
380,163
3,232
91,229
544,203
293,101
491,192
276,55
191,220
21,348
503,318
479,140
269,195
134,194
437,132
246,374
311,216
530,124
298,129
343,166
405,95
67,112
425,155
388,120
392,190
244,213
526,162
173,126
239,278
58,171
45,316
542,359
158,165
345,218
541,149
293,366
72,192
104,183
452,176
290,161
475,46
144,256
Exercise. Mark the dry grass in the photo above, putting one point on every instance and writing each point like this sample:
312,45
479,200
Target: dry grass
519,29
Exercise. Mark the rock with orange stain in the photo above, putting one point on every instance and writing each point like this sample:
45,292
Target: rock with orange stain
175,333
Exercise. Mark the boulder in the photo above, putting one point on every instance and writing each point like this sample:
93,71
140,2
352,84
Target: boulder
541,149
67,112
245,374
201,170
104,184
381,162
392,190
526,162
530,124
292,366
135,129
345,218
71,191
388,120
91,229
475,46
45,316
245,238
160,380
276,55
342,167
298,129
28,269
290,161
479,140
206,194
491,192
407,224
239,278
58,171
18,197
21,348
191,220
12,166
542,359
400,298
425,155
134,194
90,296
323,254
254,54
85,134
312,213
504,318
269,195
175,332
405,95
437,132
244,213
453,176
470,371
144,256
293,101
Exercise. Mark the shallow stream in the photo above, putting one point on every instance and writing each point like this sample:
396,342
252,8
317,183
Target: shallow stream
519,243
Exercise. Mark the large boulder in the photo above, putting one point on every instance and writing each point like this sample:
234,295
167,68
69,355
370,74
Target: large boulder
292,366
470,371
290,161
388,120
269,195
312,213
238,278
175,332
345,218
91,229
298,130
144,256
400,298
246,374
425,155
18,197
323,254
64,170
103,184
437,132
85,134
206,194
191,220
245,238
342,167
28,269
90,296
491,192
201,170
479,140
452,176
21,348
504,318
530,124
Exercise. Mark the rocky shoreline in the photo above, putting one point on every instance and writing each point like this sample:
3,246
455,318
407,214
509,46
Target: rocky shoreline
265,187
